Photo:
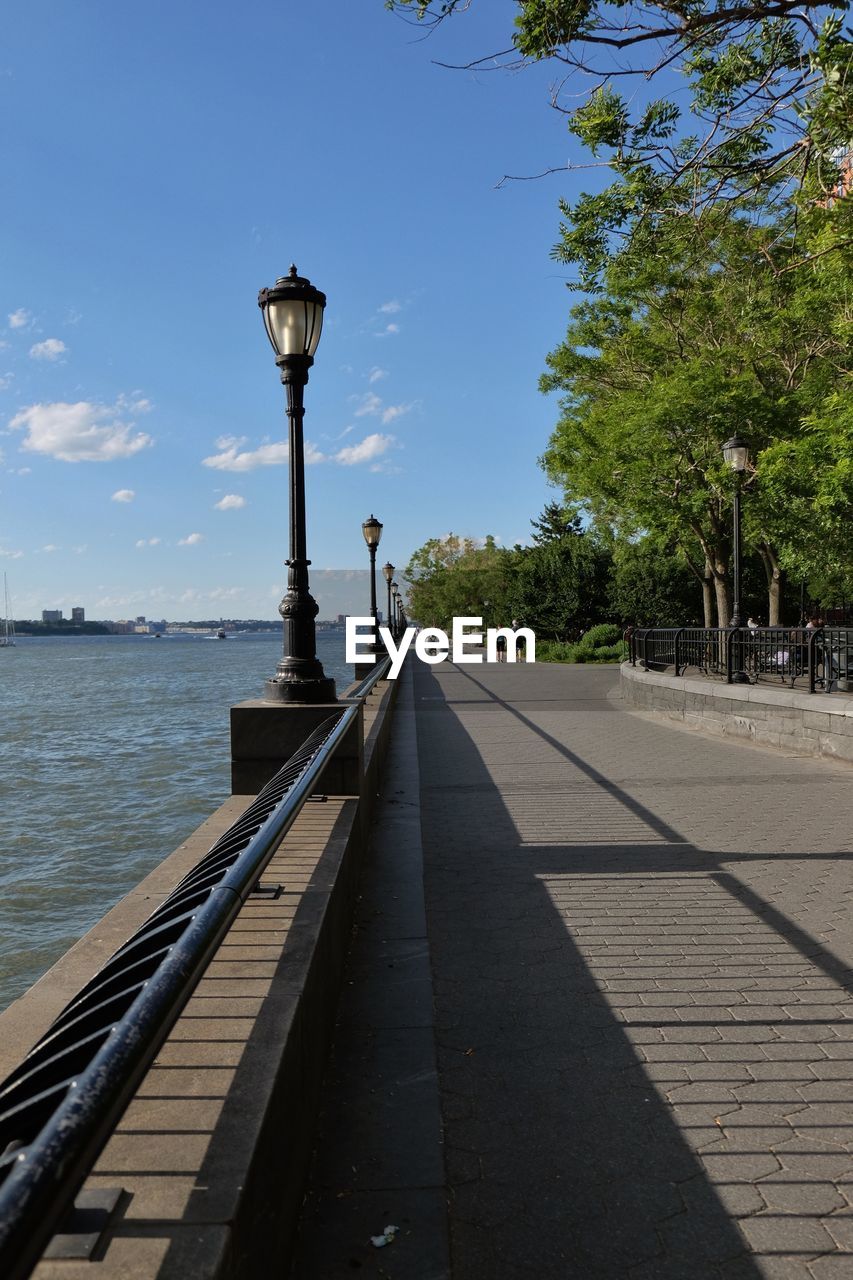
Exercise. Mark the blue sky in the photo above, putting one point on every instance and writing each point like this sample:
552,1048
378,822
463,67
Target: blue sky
165,161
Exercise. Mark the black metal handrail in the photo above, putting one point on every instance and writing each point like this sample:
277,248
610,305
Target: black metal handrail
819,658
60,1106
374,675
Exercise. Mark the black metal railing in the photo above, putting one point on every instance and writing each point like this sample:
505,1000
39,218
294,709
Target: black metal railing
813,659
377,673
60,1106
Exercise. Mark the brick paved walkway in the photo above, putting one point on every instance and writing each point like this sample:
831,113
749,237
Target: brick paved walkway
641,953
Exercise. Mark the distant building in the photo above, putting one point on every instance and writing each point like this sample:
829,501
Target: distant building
78,614
140,622
51,615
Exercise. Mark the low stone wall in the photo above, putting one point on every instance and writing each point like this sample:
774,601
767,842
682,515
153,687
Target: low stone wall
814,724
211,1156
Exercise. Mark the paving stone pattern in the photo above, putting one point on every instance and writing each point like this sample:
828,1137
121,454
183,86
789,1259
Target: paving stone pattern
641,951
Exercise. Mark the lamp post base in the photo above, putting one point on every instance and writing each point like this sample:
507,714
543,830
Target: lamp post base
284,689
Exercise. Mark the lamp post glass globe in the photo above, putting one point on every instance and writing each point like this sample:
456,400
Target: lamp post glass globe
736,453
372,530
292,311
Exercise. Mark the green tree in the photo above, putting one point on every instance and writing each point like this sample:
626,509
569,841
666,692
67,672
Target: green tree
652,585
769,102
703,336
559,585
457,577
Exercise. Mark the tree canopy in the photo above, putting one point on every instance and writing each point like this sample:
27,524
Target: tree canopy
766,114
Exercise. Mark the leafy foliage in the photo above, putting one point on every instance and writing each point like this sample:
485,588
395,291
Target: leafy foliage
766,114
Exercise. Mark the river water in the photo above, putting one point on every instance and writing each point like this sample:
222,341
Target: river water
112,750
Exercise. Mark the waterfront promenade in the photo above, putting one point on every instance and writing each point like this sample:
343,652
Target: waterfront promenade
597,1020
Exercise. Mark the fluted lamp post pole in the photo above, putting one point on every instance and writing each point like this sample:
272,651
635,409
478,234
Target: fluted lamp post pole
293,317
395,620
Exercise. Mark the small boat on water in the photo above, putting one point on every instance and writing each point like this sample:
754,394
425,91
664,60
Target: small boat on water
220,635
7,633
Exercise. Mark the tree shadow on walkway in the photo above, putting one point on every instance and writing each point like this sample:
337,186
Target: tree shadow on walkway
622,1076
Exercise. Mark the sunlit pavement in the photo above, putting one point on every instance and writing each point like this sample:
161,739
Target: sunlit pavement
640,946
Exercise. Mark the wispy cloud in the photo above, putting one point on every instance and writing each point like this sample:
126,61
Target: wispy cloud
230,502
372,446
376,374
6,381
393,411
19,319
231,458
81,432
50,548
50,349
388,330
371,405
148,542
11,555
390,308
191,540
123,495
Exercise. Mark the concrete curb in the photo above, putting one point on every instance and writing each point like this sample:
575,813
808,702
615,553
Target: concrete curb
806,724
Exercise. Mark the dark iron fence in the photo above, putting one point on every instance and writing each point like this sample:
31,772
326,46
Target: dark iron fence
819,660
60,1106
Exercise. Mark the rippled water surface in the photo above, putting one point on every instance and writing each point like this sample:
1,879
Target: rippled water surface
112,750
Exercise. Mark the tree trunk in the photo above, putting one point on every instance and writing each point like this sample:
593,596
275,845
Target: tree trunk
775,584
708,595
721,590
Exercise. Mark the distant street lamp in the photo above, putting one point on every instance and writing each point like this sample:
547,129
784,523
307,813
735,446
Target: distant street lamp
736,454
388,574
372,530
293,317
395,629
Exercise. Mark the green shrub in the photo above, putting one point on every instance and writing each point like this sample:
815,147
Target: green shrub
601,635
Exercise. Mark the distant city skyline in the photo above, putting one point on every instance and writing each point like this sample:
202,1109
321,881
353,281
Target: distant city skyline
337,591
143,449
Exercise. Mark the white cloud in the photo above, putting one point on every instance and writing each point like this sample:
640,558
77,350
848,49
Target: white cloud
81,432
370,404
149,542
19,319
50,547
50,349
191,540
376,374
6,381
230,502
266,455
370,447
389,329
390,308
11,555
123,495
395,411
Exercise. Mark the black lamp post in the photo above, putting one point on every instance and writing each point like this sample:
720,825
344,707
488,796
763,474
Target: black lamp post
388,574
372,530
736,454
293,316
395,627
